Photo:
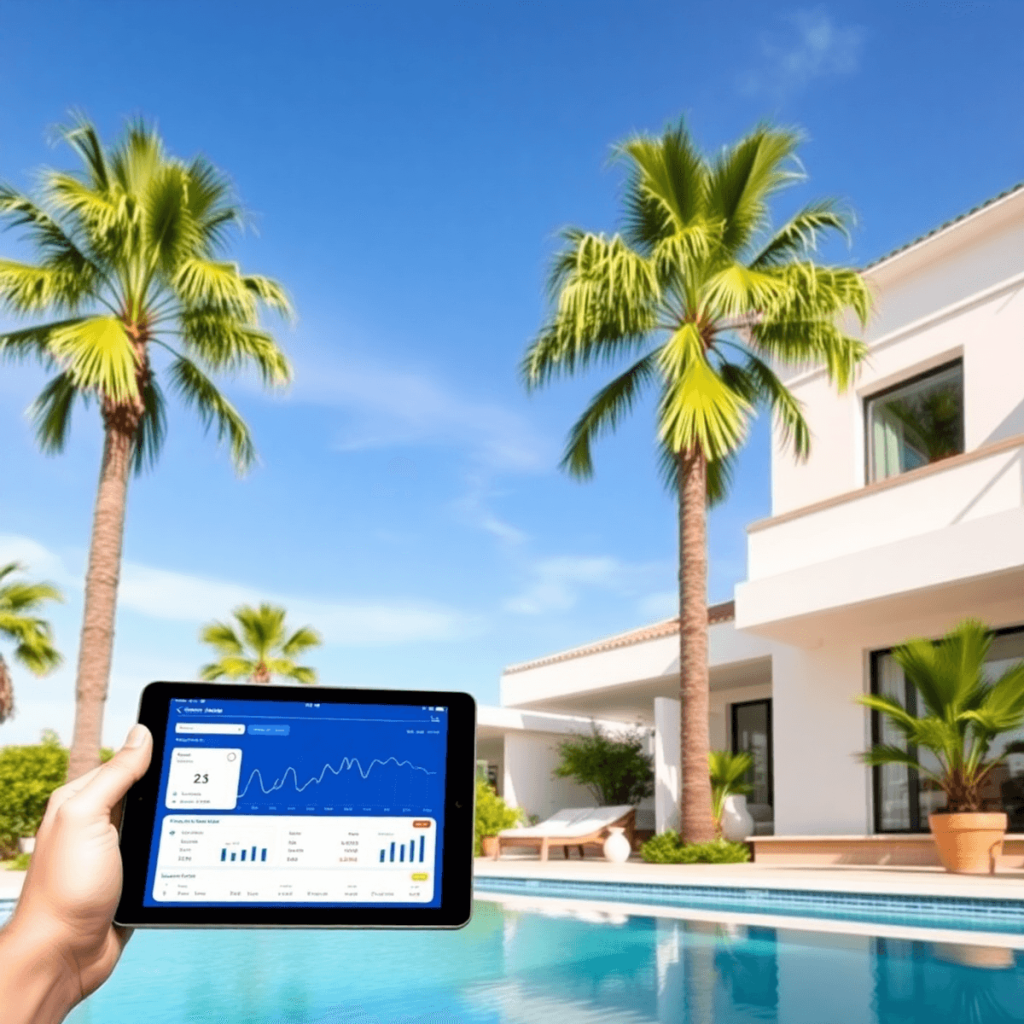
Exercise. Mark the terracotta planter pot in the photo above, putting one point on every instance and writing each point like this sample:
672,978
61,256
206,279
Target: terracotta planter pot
489,846
969,844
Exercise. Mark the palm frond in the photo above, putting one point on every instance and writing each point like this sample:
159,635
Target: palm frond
229,667
745,176
606,410
287,669
607,297
81,136
758,383
799,235
61,255
667,189
33,342
223,638
51,413
697,408
98,356
199,392
884,754
301,640
151,429
262,627
222,343
217,286
808,343
34,288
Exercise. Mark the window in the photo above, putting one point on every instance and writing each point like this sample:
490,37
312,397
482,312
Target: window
915,423
903,798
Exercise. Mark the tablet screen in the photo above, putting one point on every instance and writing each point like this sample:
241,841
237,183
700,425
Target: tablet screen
272,803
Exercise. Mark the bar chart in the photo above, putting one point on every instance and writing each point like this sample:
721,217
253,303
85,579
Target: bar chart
417,849
227,854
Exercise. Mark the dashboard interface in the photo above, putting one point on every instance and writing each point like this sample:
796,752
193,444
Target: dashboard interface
301,803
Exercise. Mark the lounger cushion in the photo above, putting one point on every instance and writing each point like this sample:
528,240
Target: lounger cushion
571,823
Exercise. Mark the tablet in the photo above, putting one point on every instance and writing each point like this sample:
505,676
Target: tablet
281,806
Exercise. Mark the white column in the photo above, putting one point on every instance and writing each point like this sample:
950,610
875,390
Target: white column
666,763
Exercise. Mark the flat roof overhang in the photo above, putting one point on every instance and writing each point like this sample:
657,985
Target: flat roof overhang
632,701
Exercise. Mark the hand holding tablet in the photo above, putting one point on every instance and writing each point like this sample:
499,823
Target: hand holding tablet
275,807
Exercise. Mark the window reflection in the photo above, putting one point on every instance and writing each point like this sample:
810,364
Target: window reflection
915,424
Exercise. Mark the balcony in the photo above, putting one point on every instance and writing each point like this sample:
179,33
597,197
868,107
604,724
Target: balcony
944,539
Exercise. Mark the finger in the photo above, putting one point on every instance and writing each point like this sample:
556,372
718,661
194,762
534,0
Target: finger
69,789
113,779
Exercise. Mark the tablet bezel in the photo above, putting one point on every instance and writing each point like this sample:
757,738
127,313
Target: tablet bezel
139,814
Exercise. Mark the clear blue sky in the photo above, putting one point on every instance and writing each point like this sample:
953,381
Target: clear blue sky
407,166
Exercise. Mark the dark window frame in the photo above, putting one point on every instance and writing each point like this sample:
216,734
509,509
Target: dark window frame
767,701
898,386
914,778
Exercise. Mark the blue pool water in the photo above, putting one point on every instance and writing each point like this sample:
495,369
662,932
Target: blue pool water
512,966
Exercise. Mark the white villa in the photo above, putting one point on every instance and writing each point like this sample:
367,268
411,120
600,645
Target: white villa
907,518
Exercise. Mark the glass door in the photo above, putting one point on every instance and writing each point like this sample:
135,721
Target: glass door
752,734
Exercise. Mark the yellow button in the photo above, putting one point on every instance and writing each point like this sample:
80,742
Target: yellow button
422,877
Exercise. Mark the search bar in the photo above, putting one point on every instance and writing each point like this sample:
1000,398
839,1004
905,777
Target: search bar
217,728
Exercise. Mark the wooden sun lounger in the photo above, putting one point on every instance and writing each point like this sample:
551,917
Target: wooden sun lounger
574,826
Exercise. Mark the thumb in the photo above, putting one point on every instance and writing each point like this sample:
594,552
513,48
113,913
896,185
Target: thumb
110,783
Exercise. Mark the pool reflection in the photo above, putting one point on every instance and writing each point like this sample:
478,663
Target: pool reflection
544,962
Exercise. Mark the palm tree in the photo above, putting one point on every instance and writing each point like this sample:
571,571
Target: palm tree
128,268
963,713
33,637
261,650
711,299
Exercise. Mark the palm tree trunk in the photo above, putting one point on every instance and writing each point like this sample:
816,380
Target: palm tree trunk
102,575
696,821
6,693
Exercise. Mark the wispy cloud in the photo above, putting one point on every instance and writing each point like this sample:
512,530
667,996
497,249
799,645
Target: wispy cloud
811,46
473,509
164,594
387,407
557,584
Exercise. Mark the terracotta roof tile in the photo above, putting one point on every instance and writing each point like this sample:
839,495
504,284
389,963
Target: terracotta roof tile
724,612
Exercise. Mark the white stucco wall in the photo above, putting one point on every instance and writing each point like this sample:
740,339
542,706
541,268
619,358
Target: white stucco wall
961,293
667,759
818,729
530,759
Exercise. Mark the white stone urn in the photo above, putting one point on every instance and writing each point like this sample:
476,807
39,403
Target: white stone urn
737,824
27,844
616,846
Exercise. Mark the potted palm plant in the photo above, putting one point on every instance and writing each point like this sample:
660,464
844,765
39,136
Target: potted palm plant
729,793
963,714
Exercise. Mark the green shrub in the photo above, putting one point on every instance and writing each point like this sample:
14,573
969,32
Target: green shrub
616,771
28,775
492,814
668,848
20,863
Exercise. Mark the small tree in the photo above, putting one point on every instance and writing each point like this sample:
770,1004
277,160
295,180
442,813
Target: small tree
28,775
616,770
492,814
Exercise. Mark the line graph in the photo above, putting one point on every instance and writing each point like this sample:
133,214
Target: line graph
347,763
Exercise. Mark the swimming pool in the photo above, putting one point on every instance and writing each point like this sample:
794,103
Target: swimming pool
511,966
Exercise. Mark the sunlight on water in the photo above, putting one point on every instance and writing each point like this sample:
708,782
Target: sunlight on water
515,966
